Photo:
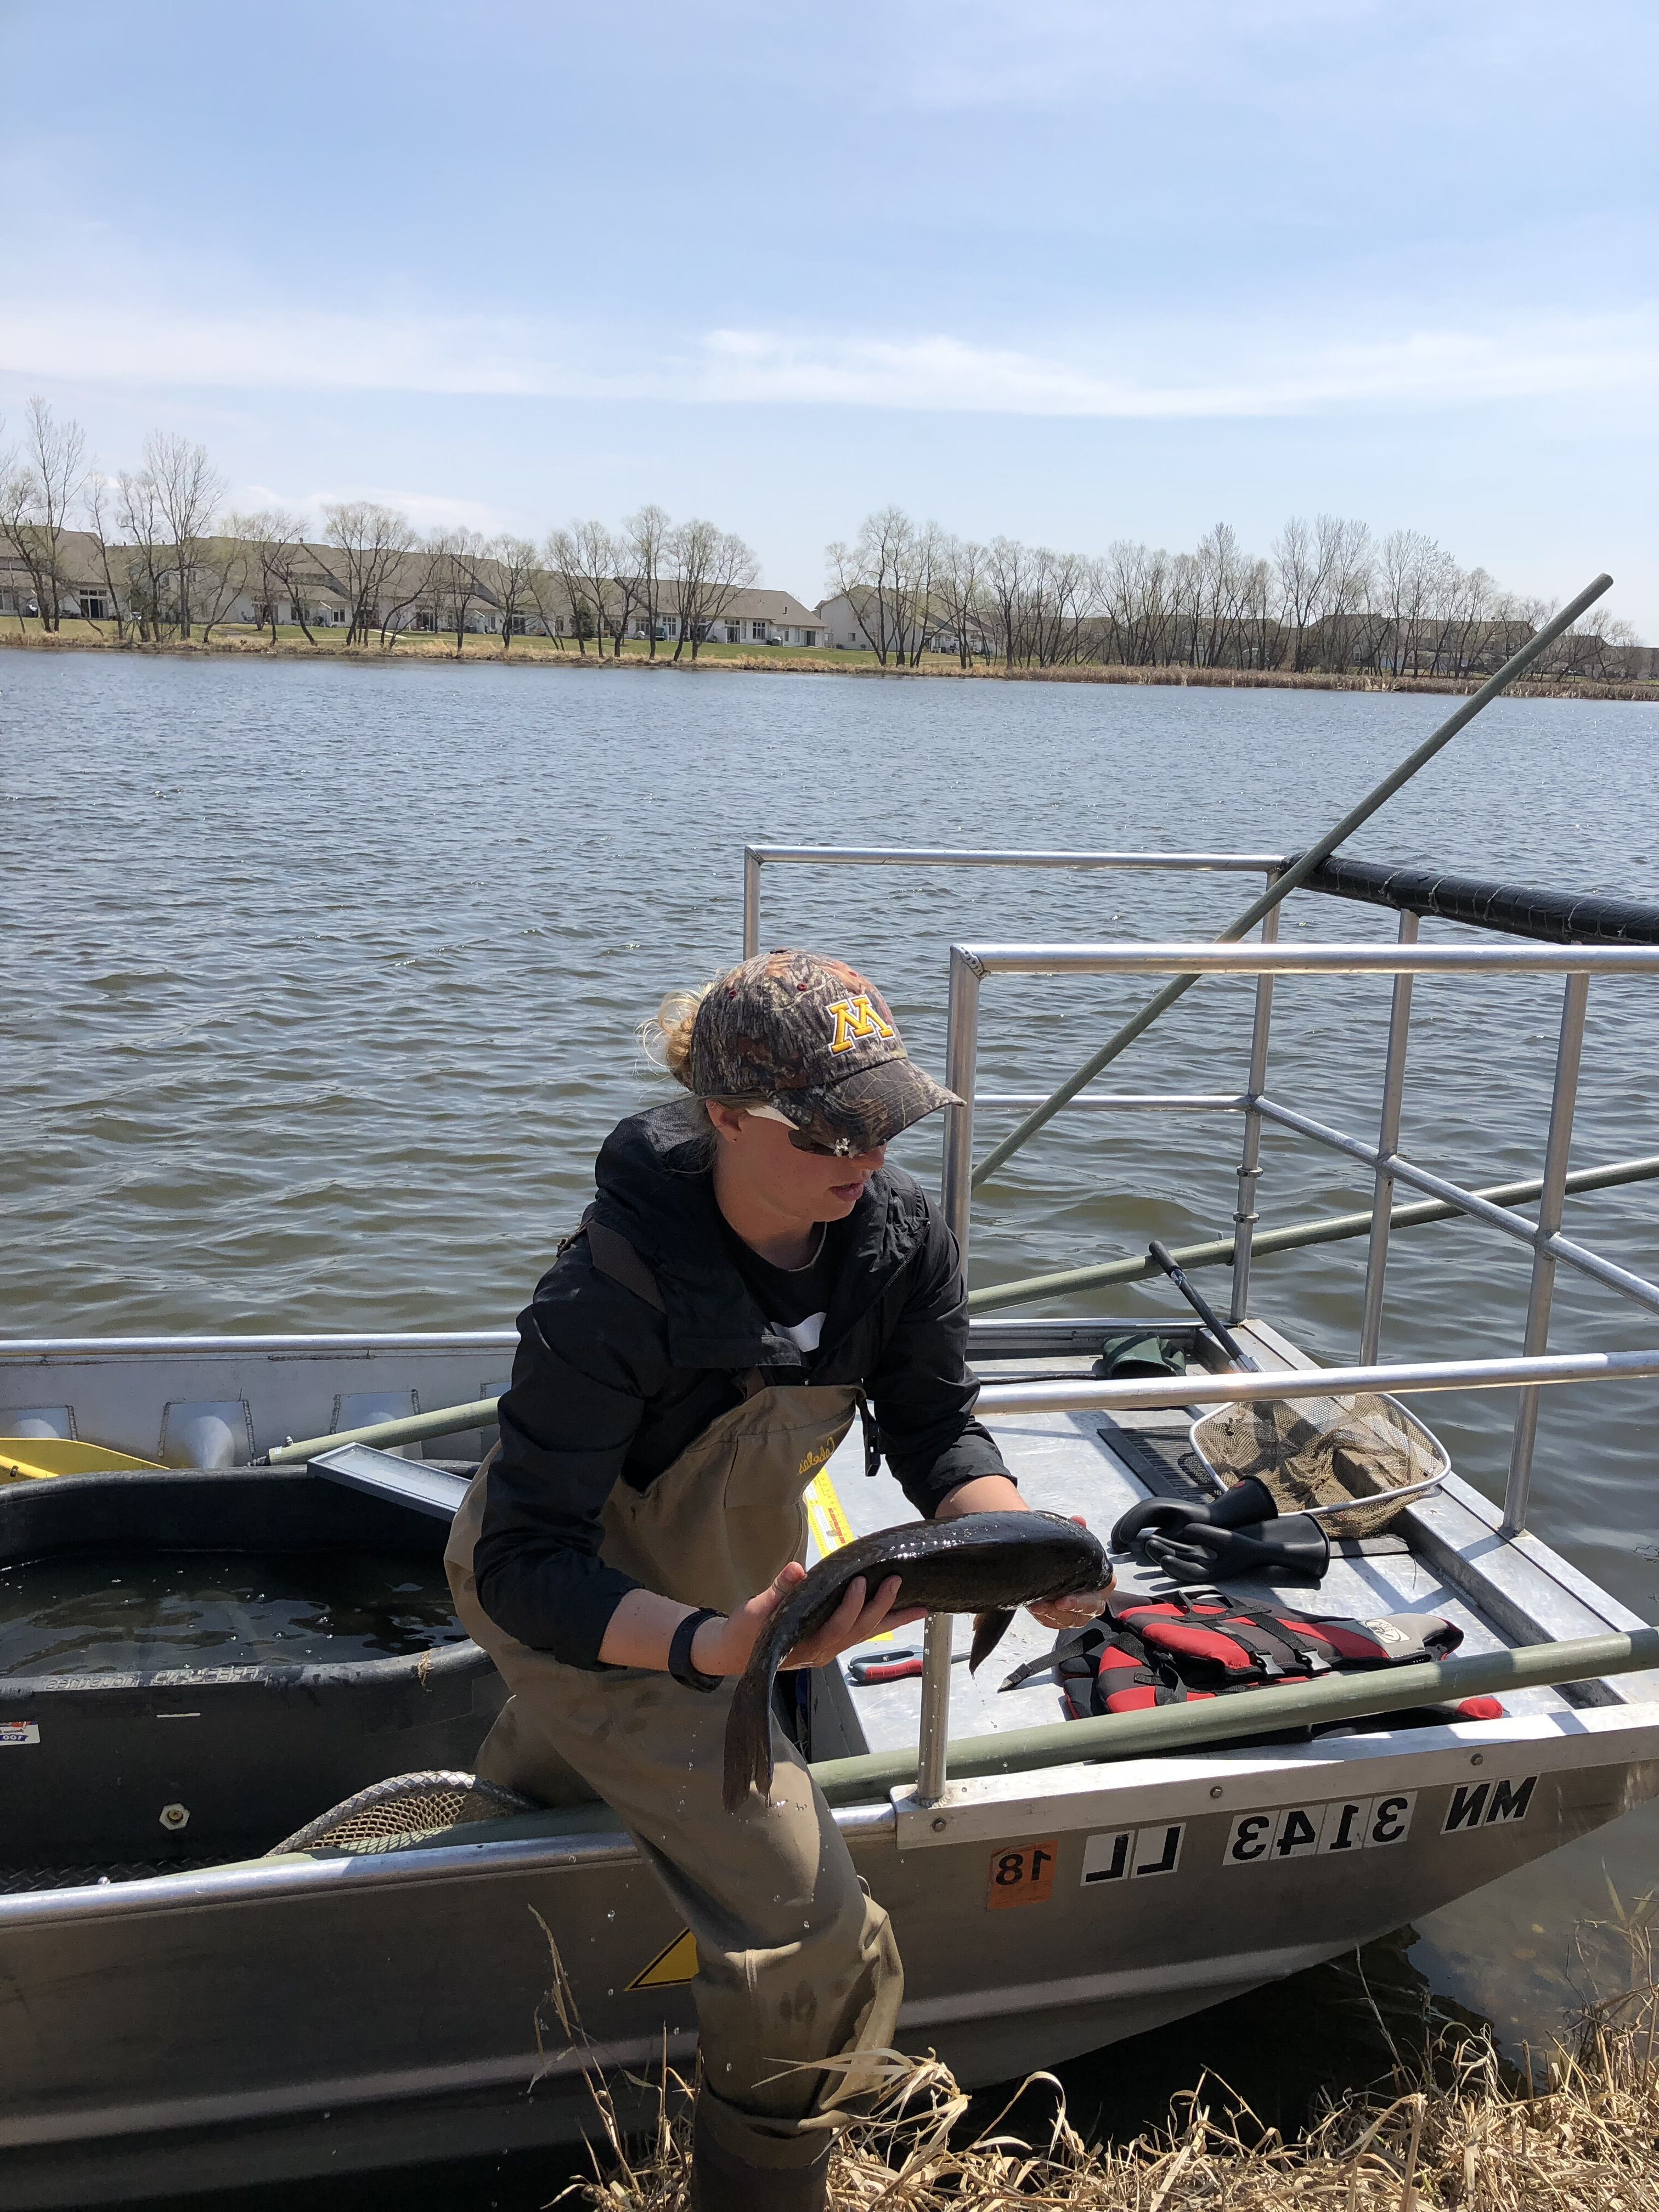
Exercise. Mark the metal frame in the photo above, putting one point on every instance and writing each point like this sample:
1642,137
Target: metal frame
755,857
1576,966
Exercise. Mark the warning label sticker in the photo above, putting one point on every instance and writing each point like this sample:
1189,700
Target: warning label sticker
677,1963
20,1732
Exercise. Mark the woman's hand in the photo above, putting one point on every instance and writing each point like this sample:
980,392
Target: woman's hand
724,1646
996,1493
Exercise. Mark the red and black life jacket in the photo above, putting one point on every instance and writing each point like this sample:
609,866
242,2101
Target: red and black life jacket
1176,1650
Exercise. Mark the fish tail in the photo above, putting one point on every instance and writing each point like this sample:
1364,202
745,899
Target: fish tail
989,1629
749,1739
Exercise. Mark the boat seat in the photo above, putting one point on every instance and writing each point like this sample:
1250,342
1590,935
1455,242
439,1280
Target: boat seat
383,1817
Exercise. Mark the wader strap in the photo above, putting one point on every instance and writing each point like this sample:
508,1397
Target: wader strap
872,1437
614,1256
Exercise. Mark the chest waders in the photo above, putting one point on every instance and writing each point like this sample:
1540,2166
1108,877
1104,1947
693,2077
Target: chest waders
795,1961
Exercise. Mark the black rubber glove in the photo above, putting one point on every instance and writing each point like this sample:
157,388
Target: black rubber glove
1247,1501
1294,1550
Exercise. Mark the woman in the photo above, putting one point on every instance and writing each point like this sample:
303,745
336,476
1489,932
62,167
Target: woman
748,1271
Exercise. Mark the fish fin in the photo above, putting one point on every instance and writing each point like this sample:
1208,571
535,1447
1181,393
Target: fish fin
749,1740
989,1629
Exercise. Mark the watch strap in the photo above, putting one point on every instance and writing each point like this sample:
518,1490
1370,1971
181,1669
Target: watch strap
679,1652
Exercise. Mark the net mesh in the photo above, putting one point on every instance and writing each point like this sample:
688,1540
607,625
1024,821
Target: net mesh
387,1814
1349,1456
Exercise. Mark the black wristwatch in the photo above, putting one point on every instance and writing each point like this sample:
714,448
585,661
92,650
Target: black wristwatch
679,1652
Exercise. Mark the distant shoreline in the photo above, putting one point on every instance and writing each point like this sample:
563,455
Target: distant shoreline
536,654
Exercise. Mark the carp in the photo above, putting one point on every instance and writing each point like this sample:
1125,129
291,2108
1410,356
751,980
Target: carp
986,1564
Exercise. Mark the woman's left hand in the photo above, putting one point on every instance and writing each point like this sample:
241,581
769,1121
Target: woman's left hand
997,1494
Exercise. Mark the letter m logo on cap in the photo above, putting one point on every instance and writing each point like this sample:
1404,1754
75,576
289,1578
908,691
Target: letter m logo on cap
856,1019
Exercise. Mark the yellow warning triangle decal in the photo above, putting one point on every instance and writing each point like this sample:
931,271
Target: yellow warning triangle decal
678,1963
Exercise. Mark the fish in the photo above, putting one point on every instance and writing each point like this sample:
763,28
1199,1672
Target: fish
986,1564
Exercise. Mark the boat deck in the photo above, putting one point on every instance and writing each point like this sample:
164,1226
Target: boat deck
1443,1557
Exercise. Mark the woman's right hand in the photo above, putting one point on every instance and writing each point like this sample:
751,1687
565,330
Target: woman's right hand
726,1646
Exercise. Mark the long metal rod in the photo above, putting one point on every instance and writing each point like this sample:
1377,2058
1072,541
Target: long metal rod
1295,1236
1122,958
80,1349
962,1054
945,856
1388,1141
1299,873
1633,1286
1406,1380
933,1738
1249,1164
1181,1389
1569,1053
751,899
1264,1712
1133,1102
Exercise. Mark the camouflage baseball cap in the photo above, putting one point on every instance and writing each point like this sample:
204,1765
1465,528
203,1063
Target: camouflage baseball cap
809,1042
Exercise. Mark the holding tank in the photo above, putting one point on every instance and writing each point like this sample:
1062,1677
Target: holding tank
191,1663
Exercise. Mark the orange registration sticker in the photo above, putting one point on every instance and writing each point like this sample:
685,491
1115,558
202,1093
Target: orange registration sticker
1022,1876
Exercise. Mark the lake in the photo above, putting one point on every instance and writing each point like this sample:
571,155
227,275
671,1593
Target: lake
322,985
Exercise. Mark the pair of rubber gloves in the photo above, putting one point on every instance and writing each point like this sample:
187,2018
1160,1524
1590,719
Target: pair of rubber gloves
1239,1533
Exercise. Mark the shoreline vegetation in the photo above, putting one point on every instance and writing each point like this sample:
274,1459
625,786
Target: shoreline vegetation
1463,2131
26,634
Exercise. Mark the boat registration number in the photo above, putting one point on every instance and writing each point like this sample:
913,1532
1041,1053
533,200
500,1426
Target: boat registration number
20,1732
1306,1831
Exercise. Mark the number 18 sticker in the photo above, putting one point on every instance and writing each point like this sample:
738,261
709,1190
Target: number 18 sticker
1024,1875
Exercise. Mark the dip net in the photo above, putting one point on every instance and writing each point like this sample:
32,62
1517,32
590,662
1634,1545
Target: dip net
387,1814
1354,1460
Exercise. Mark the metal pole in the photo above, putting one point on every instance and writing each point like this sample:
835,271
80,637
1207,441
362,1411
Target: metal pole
1295,1236
961,1053
1387,1137
751,888
1214,1720
1297,872
1249,1164
1574,1000
933,1741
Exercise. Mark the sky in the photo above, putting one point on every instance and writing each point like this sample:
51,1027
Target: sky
1071,271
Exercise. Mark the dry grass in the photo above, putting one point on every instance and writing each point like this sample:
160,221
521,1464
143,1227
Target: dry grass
1461,2139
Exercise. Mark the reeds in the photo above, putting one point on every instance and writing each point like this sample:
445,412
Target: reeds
1463,2138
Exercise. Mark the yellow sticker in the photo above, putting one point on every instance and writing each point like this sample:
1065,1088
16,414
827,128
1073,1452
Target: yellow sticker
678,1963
831,1528
828,1517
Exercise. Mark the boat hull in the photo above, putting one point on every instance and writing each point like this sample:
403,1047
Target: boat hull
327,2013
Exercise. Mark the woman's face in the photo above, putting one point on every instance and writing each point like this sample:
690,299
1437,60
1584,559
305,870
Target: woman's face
800,1187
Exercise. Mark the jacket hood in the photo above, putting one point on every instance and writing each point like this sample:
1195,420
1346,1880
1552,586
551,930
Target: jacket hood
654,1186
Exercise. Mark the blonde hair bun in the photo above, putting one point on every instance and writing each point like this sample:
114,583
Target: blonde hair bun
667,1037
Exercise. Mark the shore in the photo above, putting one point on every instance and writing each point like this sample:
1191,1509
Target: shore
783,660
1468,2135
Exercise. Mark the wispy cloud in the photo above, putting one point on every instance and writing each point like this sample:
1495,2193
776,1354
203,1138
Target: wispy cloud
1177,373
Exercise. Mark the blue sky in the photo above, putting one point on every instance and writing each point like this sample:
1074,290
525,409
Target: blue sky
1072,269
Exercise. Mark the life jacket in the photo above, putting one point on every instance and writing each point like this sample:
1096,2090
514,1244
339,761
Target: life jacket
1186,1647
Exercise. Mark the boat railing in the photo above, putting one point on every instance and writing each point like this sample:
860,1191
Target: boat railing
1576,966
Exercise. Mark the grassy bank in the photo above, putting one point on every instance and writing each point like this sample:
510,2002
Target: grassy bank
231,642
1467,2137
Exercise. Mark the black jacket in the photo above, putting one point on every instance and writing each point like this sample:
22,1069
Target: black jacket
607,1388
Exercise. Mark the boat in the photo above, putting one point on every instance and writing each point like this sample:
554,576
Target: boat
424,1971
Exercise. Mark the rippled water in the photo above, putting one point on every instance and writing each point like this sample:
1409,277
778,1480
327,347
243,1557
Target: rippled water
122,1612
321,985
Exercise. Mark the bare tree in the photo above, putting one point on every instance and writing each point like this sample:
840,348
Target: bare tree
710,566
876,576
509,566
98,506
548,589
188,489
959,592
292,567
452,562
567,555
221,569
594,560
271,538
148,554
38,490
367,542
645,536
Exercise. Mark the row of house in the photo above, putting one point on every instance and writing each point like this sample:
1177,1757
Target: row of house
316,594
